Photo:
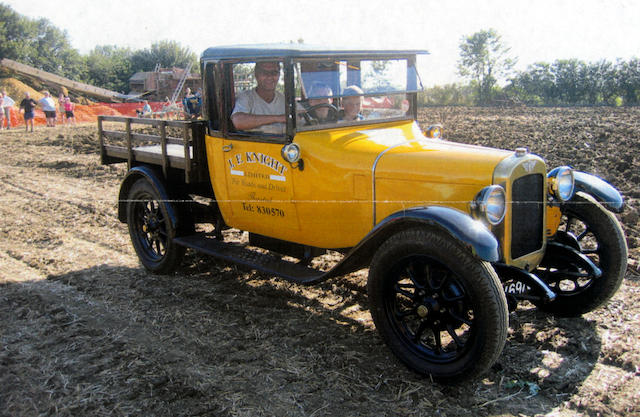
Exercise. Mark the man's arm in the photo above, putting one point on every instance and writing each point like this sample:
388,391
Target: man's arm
246,121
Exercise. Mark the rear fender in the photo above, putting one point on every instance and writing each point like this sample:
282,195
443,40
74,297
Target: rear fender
601,190
153,178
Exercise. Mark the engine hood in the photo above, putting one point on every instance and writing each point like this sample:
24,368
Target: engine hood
400,148
402,151
422,159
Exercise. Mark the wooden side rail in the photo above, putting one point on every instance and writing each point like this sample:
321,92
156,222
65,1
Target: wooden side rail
134,147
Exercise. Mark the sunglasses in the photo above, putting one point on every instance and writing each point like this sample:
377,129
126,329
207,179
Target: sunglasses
269,73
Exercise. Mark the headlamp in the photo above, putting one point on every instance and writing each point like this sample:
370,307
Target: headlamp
561,183
490,204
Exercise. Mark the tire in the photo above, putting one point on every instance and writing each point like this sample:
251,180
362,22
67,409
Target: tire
440,310
598,234
151,229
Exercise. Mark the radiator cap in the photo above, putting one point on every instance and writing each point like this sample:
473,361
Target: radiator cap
520,152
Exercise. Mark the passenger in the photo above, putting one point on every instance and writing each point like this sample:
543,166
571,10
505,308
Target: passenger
322,92
352,104
262,108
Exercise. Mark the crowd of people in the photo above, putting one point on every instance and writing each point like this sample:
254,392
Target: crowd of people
63,113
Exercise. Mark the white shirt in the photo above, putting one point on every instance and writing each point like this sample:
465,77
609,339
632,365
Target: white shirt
7,102
251,103
47,104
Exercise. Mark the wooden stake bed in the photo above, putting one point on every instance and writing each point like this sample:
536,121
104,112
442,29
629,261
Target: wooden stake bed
186,152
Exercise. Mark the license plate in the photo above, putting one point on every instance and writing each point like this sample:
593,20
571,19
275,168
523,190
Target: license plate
516,287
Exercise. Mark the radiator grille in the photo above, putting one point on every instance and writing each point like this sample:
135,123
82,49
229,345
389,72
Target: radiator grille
527,215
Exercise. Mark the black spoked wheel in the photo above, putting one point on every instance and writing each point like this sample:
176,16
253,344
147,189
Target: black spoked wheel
440,310
151,229
596,233
430,309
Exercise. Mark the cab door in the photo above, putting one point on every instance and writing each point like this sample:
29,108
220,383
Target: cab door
259,188
252,182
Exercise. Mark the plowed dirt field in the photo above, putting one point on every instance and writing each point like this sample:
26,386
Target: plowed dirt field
85,330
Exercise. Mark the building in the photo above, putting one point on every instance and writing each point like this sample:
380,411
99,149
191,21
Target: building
161,83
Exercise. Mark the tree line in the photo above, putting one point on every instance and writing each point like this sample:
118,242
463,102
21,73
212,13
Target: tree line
565,82
38,43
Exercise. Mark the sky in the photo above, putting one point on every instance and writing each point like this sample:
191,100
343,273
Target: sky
538,30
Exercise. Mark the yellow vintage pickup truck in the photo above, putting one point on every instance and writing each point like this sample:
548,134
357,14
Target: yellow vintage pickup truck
312,150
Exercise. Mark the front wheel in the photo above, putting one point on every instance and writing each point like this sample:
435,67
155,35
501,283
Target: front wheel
151,229
596,233
440,310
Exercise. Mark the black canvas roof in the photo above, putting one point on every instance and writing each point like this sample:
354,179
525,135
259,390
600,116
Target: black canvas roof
294,50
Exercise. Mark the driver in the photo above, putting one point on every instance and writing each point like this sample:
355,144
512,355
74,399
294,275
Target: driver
261,108
319,89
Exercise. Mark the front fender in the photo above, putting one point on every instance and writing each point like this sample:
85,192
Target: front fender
458,224
601,190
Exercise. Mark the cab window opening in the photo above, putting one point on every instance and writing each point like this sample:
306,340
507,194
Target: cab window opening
256,105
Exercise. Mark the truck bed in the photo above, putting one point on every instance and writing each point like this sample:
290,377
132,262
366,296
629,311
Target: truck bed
139,141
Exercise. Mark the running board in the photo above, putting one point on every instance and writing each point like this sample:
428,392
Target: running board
240,255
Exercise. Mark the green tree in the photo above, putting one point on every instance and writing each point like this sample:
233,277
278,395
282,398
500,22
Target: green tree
628,80
166,53
15,32
38,43
536,85
109,66
484,59
568,80
597,80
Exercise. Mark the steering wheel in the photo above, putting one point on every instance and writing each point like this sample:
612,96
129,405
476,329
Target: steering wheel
311,119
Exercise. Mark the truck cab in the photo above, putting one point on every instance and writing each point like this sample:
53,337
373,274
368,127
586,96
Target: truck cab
326,158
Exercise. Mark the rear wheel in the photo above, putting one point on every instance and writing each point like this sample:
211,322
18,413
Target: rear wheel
151,229
596,233
439,309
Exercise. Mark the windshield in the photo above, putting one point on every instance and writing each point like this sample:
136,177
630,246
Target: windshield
353,90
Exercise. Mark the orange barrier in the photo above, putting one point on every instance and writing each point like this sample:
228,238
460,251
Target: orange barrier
87,113
129,109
